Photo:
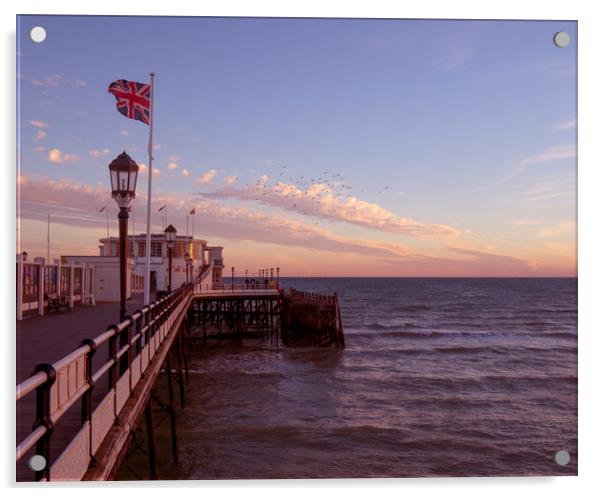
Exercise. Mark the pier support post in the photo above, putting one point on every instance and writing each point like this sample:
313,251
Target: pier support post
169,383
152,458
179,376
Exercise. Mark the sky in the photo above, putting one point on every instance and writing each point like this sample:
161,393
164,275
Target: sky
326,147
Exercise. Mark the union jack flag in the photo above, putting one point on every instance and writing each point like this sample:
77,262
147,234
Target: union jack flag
133,99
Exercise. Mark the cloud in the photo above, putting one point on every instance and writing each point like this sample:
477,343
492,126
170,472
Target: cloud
156,171
76,204
550,155
185,172
143,168
551,188
561,229
456,55
39,124
54,81
157,146
230,180
174,158
124,133
172,166
553,154
570,124
56,156
494,263
38,149
207,177
99,153
65,192
321,200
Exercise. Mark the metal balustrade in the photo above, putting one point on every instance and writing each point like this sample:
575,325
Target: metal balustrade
131,346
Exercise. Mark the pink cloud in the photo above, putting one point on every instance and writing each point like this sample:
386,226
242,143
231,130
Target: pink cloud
39,124
207,177
56,156
76,205
99,153
321,200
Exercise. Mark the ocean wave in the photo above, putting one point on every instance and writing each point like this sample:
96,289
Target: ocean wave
412,307
404,325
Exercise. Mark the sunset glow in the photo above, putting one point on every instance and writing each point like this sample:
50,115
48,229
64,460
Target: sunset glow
326,147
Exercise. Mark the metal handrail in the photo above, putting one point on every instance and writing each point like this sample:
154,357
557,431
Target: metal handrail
70,379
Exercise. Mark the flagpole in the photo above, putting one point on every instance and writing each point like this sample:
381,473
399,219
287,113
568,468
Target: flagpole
48,242
193,218
148,199
107,212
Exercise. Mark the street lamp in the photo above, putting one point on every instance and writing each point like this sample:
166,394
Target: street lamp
271,273
232,269
278,276
124,173
170,238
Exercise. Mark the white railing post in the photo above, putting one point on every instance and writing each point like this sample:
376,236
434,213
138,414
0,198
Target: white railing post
92,271
84,283
19,287
71,277
41,277
59,270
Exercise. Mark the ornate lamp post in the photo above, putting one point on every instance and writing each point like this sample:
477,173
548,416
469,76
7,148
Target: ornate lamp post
124,173
271,273
170,238
278,276
232,279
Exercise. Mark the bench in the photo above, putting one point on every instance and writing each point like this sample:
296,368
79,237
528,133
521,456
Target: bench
57,302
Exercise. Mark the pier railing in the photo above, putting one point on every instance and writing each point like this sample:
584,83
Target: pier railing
69,382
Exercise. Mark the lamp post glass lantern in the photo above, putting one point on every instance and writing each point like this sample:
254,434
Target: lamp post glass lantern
123,172
170,238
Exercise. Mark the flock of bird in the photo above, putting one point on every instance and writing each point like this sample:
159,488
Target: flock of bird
303,189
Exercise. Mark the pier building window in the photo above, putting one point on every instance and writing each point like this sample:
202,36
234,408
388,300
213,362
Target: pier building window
30,282
142,249
77,280
65,275
130,249
50,279
156,249
179,249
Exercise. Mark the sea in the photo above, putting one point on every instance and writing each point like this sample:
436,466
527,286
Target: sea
439,377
